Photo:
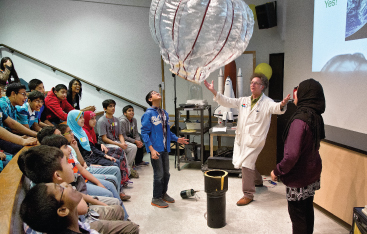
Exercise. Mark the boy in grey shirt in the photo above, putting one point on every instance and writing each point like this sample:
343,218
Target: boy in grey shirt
110,134
129,130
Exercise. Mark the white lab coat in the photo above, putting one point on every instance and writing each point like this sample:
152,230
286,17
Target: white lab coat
252,126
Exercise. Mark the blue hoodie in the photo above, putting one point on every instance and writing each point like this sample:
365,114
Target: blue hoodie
152,132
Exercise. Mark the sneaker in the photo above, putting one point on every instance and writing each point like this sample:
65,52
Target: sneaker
168,199
134,174
124,197
144,163
158,202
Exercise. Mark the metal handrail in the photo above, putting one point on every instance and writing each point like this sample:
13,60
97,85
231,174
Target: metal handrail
12,50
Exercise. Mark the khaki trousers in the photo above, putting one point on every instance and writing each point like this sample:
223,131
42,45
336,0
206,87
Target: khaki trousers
111,220
249,179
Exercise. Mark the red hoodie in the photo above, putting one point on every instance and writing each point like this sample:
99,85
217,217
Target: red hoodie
56,108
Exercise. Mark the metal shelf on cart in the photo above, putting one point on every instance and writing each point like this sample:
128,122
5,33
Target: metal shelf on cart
197,132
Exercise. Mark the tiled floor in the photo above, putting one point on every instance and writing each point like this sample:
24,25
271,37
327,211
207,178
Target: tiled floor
266,214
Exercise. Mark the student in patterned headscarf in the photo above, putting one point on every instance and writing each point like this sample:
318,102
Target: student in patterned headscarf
301,166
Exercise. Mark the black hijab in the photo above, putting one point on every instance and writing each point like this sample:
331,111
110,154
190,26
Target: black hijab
310,106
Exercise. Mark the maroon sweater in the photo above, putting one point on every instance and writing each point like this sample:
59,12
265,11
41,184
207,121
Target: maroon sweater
301,164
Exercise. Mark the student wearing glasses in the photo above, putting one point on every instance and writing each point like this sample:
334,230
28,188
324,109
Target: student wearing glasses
55,206
254,116
15,95
28,113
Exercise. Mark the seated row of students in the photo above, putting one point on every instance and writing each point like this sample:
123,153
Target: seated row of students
44,213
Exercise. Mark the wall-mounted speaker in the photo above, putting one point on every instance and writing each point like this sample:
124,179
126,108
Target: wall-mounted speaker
267,15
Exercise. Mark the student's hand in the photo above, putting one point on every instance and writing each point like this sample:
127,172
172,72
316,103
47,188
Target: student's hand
100,185
24,136
154,154
273,176
74,144
110,158
29,141
2,156
85,165
139,144
104,148
123,145
183,140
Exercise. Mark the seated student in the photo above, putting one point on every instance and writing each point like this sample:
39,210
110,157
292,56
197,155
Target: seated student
45,164
11,143
7,73
15,95
56,106
89,124
75,95
129,129
110,134
28,113
95,186
111,173
100,172
52,208
36,84
90,153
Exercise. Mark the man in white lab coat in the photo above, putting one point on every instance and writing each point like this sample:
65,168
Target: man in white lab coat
254,116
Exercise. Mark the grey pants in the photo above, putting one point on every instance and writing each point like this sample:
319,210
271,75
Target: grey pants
249,179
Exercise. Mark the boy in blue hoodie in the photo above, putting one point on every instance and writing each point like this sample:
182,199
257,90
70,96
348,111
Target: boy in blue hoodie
156,134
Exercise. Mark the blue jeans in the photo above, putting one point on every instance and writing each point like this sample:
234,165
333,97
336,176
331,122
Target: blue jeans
107,170
161,174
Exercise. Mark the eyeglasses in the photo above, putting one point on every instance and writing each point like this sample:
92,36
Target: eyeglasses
255,83
62,193
24,94
68,132
39,102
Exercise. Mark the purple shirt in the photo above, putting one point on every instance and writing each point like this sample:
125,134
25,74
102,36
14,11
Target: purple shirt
301,164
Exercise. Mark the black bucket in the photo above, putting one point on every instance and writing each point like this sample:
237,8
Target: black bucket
216,186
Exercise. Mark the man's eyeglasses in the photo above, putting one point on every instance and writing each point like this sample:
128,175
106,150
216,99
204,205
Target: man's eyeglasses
24,94
68,132
255,83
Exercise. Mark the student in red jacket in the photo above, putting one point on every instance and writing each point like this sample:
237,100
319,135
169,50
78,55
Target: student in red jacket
56,106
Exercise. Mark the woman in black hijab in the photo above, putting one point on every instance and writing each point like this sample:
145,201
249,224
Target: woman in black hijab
301,166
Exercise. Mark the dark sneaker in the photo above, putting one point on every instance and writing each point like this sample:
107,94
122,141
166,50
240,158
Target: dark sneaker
168,199
158,202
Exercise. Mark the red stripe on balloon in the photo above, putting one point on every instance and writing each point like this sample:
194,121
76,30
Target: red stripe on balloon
201,25
230,29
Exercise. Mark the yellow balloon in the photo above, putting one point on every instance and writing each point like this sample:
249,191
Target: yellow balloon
252,7
265,69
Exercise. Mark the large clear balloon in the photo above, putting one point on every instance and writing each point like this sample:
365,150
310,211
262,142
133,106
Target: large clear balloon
198,36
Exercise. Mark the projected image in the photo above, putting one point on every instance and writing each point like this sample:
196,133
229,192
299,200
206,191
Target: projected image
356,22
339,36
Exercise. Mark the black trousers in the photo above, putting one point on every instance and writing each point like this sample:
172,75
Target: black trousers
139,155
302,216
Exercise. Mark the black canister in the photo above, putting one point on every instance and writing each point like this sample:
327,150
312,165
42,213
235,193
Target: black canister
187,193
216,186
